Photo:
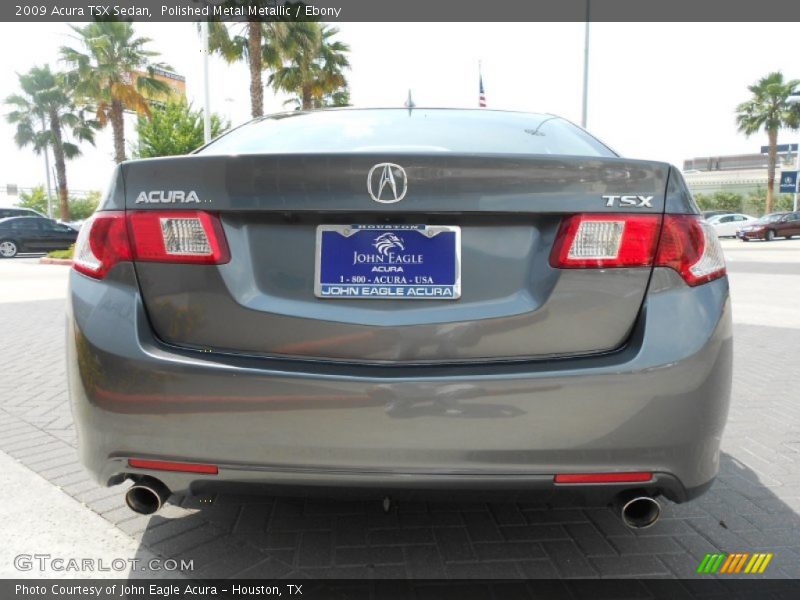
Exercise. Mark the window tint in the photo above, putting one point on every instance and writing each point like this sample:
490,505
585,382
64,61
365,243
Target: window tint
726,219
402,130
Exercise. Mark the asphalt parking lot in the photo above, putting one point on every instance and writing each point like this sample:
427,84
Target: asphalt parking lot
754,506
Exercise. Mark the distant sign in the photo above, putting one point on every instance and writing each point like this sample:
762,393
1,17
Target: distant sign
788,182
780,148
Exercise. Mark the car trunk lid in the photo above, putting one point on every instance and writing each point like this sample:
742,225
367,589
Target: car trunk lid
506,209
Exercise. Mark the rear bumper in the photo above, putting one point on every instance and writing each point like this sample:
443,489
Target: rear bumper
659,404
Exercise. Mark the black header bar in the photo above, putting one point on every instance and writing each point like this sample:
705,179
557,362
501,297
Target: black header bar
406,10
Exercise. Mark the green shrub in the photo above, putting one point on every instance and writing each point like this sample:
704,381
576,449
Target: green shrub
82,208
722,200
62,253
79,208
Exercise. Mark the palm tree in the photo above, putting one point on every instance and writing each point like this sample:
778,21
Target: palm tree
43,114
769,109
114,72
261,44
316,76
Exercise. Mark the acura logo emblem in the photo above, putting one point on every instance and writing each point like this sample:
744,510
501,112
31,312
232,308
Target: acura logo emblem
386,183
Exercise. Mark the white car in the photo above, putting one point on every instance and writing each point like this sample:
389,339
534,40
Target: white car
728,225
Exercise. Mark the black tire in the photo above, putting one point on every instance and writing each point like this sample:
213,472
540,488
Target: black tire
8,248
769,236
745,239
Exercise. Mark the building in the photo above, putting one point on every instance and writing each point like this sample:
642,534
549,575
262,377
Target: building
176,83
741,173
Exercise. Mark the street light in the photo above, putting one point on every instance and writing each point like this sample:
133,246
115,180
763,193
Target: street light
585,102
206,101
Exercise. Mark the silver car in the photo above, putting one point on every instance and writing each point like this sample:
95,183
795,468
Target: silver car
395,301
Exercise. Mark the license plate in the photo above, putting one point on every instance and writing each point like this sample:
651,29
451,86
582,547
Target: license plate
409,262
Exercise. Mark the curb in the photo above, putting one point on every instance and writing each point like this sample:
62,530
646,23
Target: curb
55,261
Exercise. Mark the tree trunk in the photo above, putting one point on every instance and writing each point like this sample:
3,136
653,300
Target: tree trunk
254,56
308,100
61,167
773,159
118,129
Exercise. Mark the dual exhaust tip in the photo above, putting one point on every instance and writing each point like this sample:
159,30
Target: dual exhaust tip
148,495
639,512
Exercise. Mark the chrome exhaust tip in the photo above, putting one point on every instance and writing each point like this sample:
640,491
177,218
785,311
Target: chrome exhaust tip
147,496
640,512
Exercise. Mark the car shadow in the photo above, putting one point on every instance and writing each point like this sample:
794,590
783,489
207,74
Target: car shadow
266,537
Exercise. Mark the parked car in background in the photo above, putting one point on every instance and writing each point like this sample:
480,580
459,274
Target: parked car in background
20,212
728,225
771,226
707,214
76,225
33,234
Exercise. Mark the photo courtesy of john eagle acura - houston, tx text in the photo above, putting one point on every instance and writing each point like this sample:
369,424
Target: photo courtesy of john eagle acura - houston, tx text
402,302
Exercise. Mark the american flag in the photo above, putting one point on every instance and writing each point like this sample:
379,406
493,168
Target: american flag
481,93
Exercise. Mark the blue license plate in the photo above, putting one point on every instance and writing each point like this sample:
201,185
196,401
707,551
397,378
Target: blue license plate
411,262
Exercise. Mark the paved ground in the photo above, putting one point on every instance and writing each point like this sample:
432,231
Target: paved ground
753,506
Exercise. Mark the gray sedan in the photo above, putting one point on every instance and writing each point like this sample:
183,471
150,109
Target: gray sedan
398,302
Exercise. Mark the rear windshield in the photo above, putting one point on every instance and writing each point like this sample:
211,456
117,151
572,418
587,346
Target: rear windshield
413,131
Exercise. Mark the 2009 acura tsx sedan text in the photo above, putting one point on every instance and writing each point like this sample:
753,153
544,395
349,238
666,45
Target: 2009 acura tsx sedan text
399,301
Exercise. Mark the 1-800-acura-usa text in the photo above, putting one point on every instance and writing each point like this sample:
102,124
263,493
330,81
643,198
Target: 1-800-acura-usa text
402,300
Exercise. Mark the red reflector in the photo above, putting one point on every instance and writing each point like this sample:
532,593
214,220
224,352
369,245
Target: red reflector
603,477
164,465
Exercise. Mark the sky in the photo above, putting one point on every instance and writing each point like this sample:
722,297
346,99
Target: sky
661,91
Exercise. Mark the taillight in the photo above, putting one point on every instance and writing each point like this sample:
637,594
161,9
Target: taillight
149,236
102,243
178,237
691,247
682,242
602,240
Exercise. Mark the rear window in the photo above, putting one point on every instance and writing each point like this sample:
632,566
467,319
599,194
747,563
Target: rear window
412,131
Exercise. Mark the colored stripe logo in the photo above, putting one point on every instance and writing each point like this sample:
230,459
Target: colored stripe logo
735,563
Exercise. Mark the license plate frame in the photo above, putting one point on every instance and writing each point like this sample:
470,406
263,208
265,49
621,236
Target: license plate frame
417,236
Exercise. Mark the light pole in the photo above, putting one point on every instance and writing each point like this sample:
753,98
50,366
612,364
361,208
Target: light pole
206,100
585,104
